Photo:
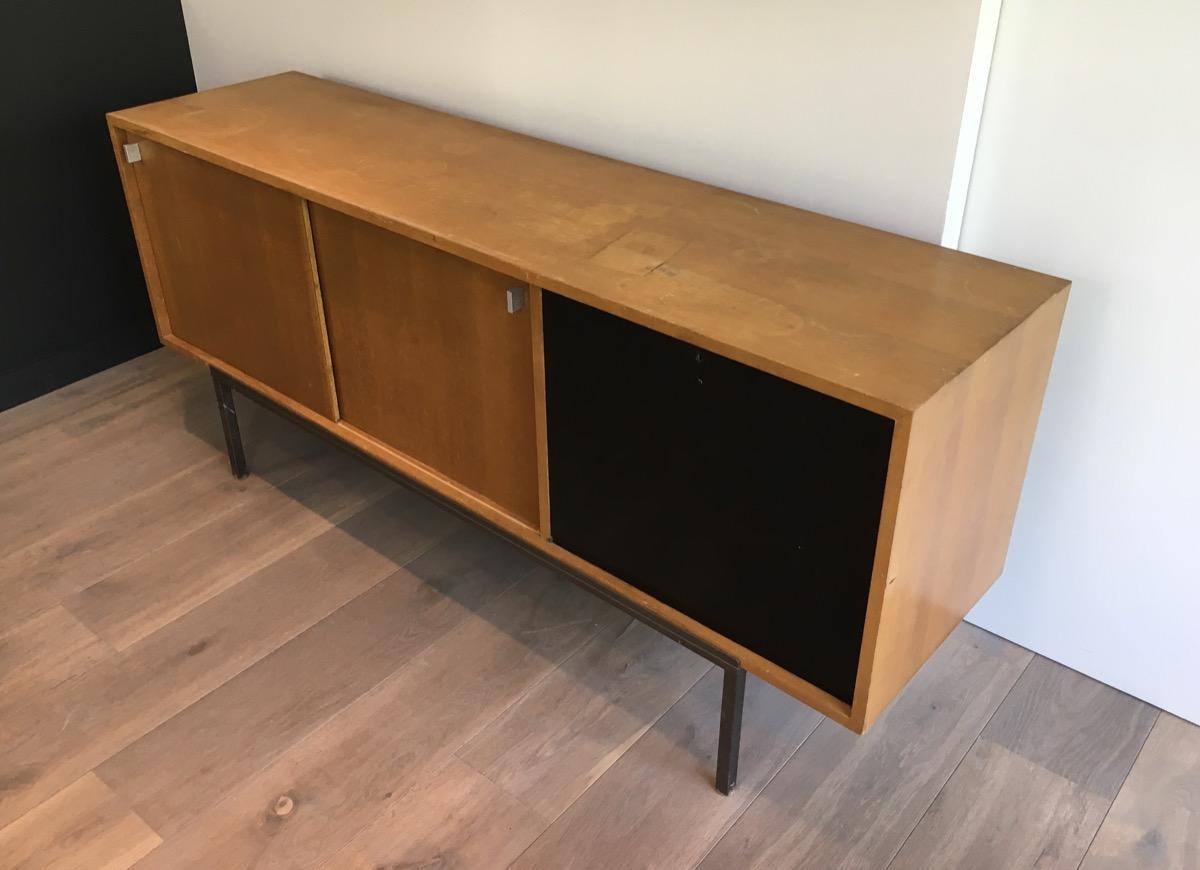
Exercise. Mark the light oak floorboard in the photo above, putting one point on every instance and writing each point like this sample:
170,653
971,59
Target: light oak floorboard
68,480
330,785
1035,787
150,404
190,762
1000,810
106,386
83,827
41,575
1154,824
135,600
45,651
454,818
49,739
1083,730
85,553
56,477
847,801
656,806
549,747
92,397
135,522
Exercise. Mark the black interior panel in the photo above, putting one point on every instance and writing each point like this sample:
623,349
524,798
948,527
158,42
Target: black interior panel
745,501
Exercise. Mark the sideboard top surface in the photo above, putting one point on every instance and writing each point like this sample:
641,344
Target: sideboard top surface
874,318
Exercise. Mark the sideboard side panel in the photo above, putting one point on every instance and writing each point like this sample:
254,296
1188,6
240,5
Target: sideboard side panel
968,449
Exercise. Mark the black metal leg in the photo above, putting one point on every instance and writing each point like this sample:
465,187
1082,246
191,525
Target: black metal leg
229,424
730,740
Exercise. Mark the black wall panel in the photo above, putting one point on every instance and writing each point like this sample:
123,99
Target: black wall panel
745,501
72,297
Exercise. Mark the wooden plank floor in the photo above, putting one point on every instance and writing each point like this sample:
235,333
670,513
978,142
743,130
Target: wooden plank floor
315,667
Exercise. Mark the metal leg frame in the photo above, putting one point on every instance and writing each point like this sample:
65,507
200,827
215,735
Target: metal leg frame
730,738
229,424
734,687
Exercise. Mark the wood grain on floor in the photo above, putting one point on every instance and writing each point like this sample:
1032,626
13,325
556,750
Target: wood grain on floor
656,807
316,667
1155,821
847,800
1042,775
550,746
83,826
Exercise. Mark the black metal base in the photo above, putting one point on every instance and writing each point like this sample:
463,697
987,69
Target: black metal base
733,693
229,424
734,685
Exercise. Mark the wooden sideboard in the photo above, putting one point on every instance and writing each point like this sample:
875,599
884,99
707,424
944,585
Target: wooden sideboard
795,442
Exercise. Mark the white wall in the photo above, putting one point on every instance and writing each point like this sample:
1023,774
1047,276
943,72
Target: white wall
1088,167
851,109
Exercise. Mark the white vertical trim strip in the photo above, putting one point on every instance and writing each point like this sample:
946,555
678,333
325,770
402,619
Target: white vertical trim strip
972,116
